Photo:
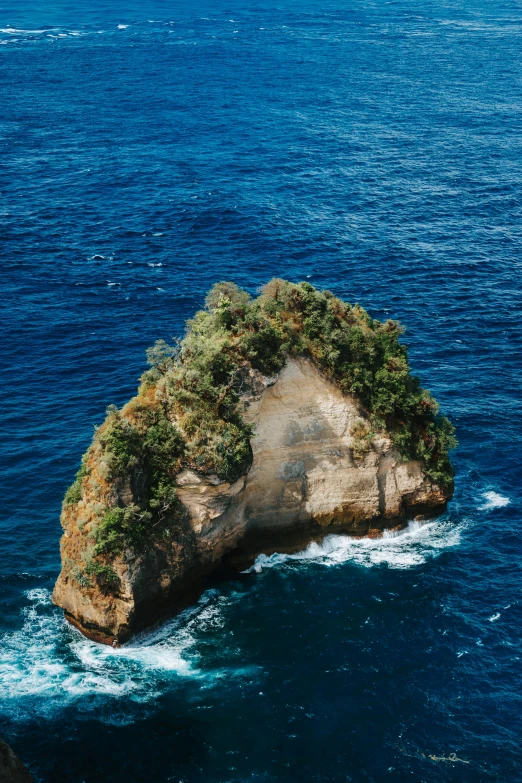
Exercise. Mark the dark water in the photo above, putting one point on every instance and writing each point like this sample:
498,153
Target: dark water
373,148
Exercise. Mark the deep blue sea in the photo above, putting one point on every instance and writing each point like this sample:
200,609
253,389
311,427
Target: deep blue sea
149,149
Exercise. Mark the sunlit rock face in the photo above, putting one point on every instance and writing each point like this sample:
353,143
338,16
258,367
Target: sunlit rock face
304,482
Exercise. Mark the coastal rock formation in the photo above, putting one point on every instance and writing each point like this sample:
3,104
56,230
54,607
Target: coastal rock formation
11,768
304,482
304,479
274,422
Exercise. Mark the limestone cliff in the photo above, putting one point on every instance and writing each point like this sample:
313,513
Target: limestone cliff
308,477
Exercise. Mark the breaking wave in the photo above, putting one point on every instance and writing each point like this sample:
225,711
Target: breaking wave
413,546
46,665
494,500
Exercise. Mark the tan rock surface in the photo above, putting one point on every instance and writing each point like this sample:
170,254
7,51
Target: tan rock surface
303,484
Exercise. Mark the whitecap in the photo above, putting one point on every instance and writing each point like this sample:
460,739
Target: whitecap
494,500
81,683
28,665
150,653
122,26
15,30
40,596
47,664
494,617
407,548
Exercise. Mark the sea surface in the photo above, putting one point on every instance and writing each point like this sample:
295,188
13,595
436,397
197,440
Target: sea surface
149,149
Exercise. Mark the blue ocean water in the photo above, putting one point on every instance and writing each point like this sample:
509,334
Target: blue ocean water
373,148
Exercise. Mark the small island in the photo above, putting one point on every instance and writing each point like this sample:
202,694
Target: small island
274,422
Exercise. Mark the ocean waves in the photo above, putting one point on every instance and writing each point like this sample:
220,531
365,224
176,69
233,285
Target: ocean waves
414,546
375,153
494,500
46,665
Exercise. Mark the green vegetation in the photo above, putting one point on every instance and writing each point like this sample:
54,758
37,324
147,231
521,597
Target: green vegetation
121,442
74,493
80,577
362,355
362,435
186,413
146,445
120,527
105,575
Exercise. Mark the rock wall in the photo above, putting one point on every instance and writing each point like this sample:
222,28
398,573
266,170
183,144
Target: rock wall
304,483
11,768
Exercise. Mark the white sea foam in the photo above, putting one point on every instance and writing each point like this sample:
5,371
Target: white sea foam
494,617
46,664
494,500
17,31
39,596
122,26
28,664
165,654
403,549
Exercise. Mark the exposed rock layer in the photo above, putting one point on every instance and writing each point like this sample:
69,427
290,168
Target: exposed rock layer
304,483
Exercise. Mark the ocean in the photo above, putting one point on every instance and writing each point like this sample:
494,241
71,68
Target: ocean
373,148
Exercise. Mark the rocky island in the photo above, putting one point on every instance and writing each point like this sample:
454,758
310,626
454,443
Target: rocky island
274,422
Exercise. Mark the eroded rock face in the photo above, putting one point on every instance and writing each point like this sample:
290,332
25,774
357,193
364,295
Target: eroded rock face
11,768
304,483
